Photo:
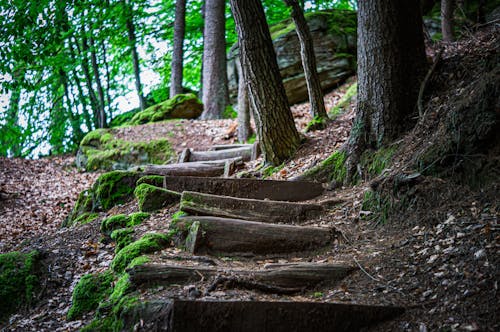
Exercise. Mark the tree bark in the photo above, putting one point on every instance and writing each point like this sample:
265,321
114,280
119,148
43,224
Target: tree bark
308,61
214,60
101,118
133,51
276,128
447,7
391,63
178,51
244,128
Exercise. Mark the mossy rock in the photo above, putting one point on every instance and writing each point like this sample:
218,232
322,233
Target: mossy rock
19,281
186,106
118,221
151,198
110,189
89,292
154,180
122,237
147,244
100,149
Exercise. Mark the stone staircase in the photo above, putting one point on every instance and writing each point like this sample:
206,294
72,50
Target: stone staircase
246,219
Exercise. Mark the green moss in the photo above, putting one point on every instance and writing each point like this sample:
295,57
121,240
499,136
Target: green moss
122,237
85,218
95,137
331,169
106,324
114,222
19,280
151,198
84,204
89,292
137,218
154,180
114,188
122,287
139,261
375,162
317,123
229,113
124,118
147,244
270,170
344,102
182,105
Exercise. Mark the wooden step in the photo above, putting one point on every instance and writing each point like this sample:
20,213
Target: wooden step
246,188
201,169
248,209
291,276
236,236
218,147
189,155
263,316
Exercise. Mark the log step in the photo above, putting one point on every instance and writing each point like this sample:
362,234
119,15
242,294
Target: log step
246,188
287,276
264,316
236,236
248,209
201,169
218,147
245,152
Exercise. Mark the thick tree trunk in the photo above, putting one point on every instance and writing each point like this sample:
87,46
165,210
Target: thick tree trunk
244,128
276,128
133,50
214,60
308,61
391,63
178,51
447,7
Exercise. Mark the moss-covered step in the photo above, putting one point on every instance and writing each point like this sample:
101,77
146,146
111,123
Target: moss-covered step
19,281
101,149
272,316
248,209
186,106
110,189
151,198
292,191
216,235
291,277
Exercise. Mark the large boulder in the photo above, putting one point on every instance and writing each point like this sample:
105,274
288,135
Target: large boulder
334,38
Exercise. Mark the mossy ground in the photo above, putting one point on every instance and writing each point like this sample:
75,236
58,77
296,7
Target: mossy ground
344,102
154,180
331,169
19,281
151,198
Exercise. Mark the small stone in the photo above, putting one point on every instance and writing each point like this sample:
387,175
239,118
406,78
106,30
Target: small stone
479,254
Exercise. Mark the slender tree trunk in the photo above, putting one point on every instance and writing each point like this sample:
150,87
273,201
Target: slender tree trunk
391,63
244,128
278,136
214,60
447,7
308,61
108,76
133,50
12,117
178,52
101,115
83,101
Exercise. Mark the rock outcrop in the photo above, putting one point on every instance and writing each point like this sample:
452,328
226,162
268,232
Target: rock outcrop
334,38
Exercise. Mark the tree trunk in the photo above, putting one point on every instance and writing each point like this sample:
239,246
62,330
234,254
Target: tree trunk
177,53
447,7
391,63
308,61
244,128
12,119
214,60
133,51
101,118
277,133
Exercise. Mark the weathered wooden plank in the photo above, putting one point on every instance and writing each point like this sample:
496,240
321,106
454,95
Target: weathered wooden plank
247,209
246,188
201,169
298,275
228,146
244,152
263,316
235,236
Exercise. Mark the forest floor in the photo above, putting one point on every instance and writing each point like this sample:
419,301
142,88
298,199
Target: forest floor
440,261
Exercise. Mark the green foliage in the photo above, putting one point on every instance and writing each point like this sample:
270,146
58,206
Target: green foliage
374,162
19,280
147,244
85,218
344,102
151,198
317,123
89,292
229,113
